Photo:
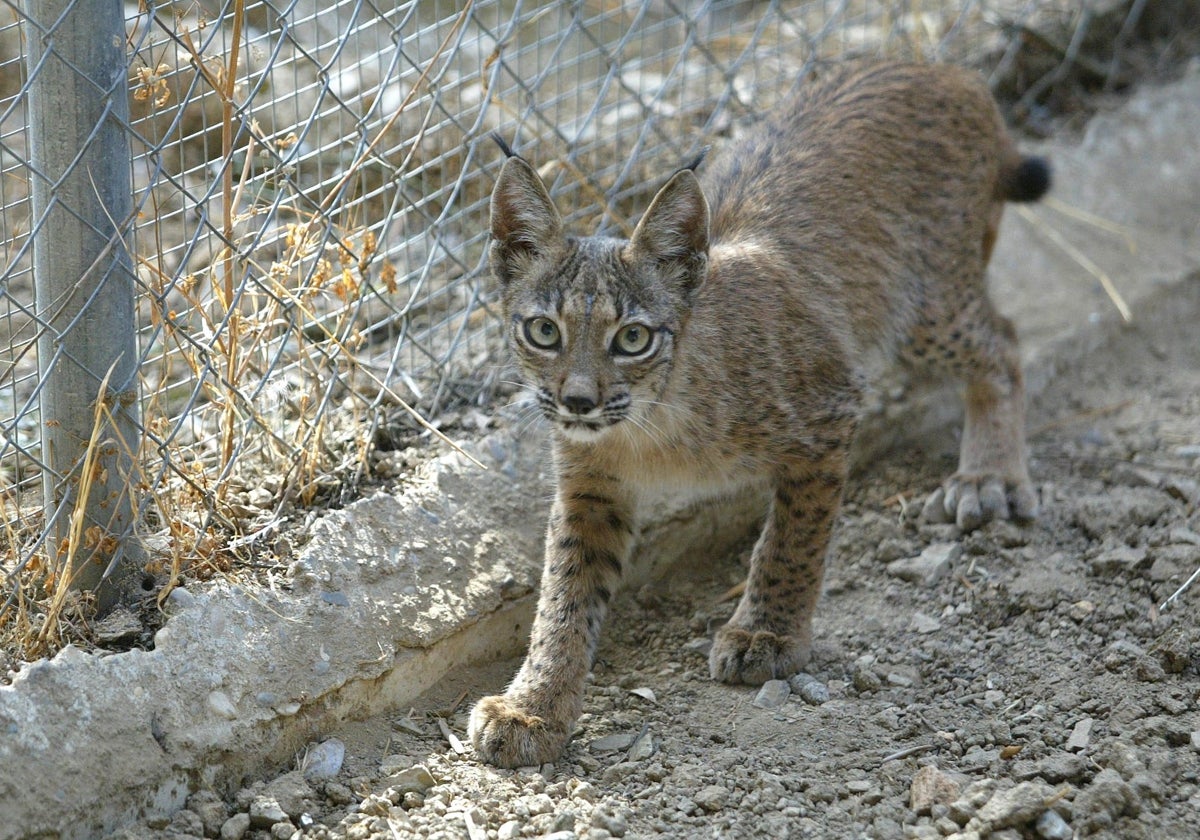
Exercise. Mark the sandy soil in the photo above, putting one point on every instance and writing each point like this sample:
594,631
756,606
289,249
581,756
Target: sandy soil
1010,683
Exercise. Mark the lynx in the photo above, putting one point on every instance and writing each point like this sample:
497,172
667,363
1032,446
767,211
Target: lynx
726,342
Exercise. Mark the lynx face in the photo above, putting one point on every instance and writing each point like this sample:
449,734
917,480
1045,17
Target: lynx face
593,322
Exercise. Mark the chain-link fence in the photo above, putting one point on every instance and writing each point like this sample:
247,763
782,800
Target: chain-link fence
243,241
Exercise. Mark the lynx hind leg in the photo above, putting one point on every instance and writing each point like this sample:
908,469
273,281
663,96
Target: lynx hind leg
979,346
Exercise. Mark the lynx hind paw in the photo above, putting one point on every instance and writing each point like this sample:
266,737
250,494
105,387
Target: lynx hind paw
755,656
972,500
506,735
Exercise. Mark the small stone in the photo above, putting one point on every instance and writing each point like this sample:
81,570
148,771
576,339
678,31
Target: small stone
221,706
409,726
701,646
858,785
814,693
929,787
772,695
235,827
930,566
560,835
324,760
1081,735
1053,827
282,830
511,830
712,798
417,779
261,498
1081,610
1195,741
922,623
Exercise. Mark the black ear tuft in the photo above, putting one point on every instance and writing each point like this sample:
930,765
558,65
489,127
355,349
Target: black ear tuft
695,164
504,147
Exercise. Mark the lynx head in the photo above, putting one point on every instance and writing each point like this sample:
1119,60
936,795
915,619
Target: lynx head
594,321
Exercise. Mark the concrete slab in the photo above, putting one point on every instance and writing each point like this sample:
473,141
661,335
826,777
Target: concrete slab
392,592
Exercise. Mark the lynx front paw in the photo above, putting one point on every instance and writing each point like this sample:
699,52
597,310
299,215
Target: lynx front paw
971,500
506,735
755,656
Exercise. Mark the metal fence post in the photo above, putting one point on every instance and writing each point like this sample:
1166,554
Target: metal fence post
82,214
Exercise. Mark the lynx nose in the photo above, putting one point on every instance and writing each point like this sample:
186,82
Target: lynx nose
578,403
579,395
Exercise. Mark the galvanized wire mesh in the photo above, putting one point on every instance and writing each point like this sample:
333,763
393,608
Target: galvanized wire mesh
310,184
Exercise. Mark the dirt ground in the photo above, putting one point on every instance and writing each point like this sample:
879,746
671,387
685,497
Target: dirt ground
1009,683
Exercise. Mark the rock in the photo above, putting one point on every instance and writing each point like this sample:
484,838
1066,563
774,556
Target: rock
510,830
1117,561
265,812
617,742
1053,827
930,566
1105,799
324,760
187,822
611,821
1013,807
1081,735
119,626
282,830
930,786
971,800
540,803
772,695
865,680
211,810
1122,509
1061,767
235,827
712,798
291,793
642,748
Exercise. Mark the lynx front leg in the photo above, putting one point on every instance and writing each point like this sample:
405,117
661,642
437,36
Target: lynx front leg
586,544
770,633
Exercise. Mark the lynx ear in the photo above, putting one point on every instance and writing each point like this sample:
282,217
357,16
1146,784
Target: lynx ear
675,227
525,222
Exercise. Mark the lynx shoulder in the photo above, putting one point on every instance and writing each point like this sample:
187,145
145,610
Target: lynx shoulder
725,342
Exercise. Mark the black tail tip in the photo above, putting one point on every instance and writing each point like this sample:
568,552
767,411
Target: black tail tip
1031,180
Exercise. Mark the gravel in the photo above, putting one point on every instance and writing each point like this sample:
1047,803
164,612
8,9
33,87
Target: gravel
1019,683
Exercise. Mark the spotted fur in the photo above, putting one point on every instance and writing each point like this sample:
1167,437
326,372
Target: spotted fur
725,343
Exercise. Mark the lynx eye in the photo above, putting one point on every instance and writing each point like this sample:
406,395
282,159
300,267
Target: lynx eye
542,333
633,340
